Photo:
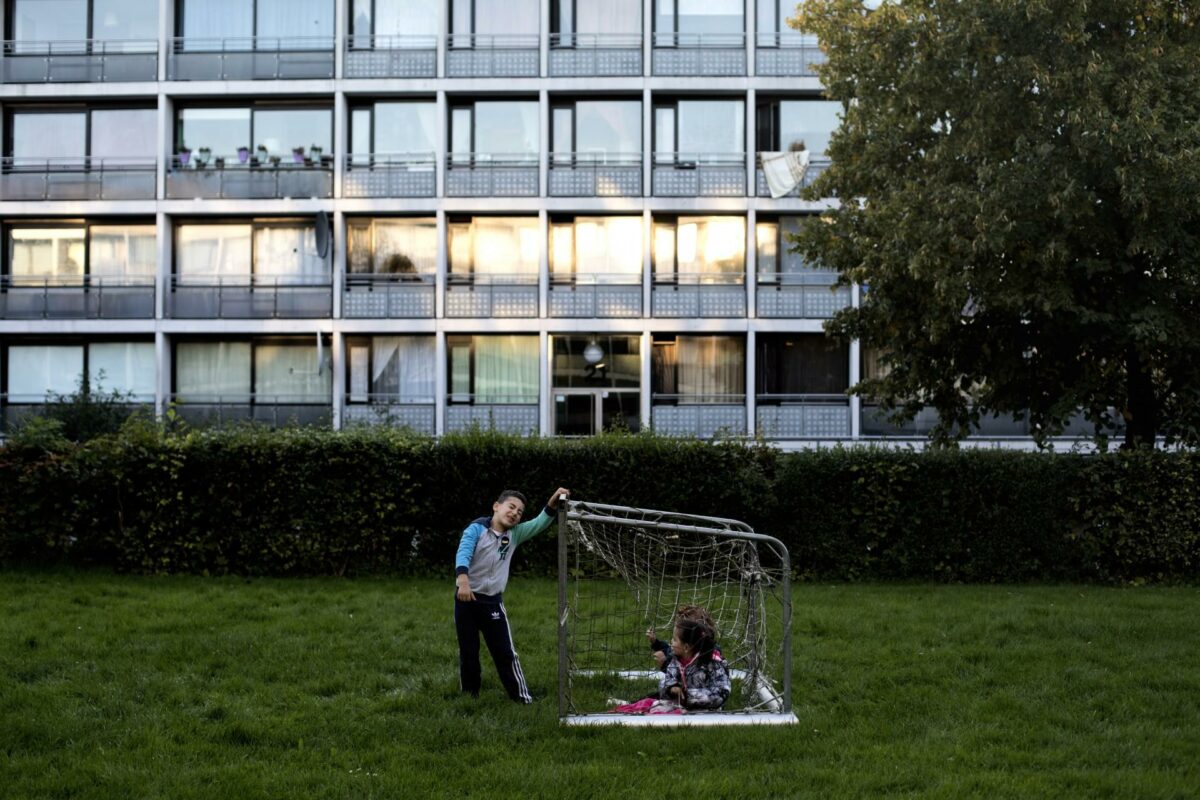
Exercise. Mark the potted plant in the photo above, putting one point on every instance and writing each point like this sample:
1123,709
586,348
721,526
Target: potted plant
185,155
219,162
315,152
243,154
203,156
274,161
297,155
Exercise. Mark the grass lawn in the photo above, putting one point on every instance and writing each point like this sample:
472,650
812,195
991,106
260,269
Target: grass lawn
118,686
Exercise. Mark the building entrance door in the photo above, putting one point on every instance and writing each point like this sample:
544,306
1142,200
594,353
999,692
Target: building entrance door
584,412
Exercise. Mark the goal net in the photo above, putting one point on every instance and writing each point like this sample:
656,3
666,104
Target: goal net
624,570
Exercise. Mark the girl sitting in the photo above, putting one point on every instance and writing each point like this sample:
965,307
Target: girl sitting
694,676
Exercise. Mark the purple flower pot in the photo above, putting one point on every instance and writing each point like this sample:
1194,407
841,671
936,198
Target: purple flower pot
185,156
243,154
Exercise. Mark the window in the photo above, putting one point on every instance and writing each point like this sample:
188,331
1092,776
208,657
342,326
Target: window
802,364
124,367
265,24
399,246
64,254
495,246
772,23
271,372
569,17
290,373
619,367
598,129
269,131
493,369
696,129
597,249
72,136
233,253
473,22
70,23
777,263
407,129
699,369
784,124
700,250
395,368
34,371
213,371
692,19
390,23
497,130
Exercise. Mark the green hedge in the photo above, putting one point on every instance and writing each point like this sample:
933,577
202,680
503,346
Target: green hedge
302,502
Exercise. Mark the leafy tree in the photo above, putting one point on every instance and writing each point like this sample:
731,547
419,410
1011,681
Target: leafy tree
86,413
1027,224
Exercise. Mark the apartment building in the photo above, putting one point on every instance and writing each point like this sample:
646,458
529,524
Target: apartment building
542,216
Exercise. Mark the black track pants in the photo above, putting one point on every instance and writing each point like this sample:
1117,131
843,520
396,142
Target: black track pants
472,618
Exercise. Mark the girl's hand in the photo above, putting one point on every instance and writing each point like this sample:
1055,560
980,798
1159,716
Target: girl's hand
650,635
660,658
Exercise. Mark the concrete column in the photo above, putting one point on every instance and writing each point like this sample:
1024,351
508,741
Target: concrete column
440,67
751,99
543,146
647,262
162,269
162,374
339,259
440,387
544,264
443,139
751,264
338,346
341,16
647,37
751,29
855,372
545,400
443,260
644,394
166,144
543,41
751,382
166,30
340,139
647,143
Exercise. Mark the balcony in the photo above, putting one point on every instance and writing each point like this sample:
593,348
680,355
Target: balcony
86,61
875,423
699,416
231,178
699,175
389,296
16,409
369,56
390,410
480,55
276,411
699,54
595,54
815,167
803,416
596,296
695,295
390,175
517,414
787,54
806,295
250,58
595,175
491,175
491,295
78,178
77,297
250,297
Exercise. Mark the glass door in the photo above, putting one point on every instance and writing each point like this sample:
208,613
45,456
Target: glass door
585,412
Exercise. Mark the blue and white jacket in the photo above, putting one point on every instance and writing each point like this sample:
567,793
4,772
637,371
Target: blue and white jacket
485,554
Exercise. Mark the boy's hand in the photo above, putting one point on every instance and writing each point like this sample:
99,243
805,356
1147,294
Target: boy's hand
464,593
559,492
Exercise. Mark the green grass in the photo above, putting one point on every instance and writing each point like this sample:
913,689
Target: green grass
117,686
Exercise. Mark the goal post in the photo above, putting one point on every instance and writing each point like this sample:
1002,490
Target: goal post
622,570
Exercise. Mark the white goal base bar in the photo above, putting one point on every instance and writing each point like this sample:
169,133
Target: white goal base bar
694,719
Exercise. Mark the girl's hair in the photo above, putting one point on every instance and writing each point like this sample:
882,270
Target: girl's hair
697,613
698,637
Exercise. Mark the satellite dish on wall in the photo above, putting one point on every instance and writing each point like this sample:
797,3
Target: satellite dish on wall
324,234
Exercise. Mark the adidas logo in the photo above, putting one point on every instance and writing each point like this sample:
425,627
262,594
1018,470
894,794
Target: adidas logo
495,615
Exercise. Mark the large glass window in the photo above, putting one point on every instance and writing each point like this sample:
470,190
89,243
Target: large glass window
493,369
218,371
38,135
115,20
802,364
399,246
289,252
598,127
124,132
214,20
227,253
699,369
784,124
393,18
123,367
115,133
575,365
290,373
597,249
776,259
493,18
212,253
66,253
704,249
283,372
287,24
608,17
692,17
268,131
122,250
495,128
494,246
34,371
398,368
49,21
403,128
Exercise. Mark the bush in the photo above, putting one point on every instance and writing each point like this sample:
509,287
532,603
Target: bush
305,502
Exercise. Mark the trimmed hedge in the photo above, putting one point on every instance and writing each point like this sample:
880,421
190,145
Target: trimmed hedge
305,502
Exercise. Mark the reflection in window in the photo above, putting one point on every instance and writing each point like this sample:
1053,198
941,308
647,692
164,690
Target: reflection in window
496,129
123,367
692,17
49,21
35,371
587,19
60,255
598,128
213,371
778,262
802,364
392,22
404,128
290,373
493,369
701,127
277,24
399,368
597,249
49,135
619,366
784,124
700,249
699,369
393,246
486,18
122,250
495,246
268,132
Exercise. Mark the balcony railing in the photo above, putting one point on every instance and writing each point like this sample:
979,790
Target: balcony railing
370,56
479,55
78,178
81,61
389,296
803,416
15,409
596,295
815,167
804,295
699,294
250,297
701,416
509,414
391,410
595,175
491,295
390,175
699,54
785,53
595,54
875,423
277,411
77,297
699,175
491,175
230,178
250,58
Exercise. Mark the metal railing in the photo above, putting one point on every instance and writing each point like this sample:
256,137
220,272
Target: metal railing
596,295
699,54
389,295
812,294
80,61
595,175
698,294
509,413
482,55
787,53
280,410
390,175
491,295
232,178
816,166
595,54
391,410
250,58
78,178
703,416
803,416
15,409
76,297
380,56
699,175
250,297
492,175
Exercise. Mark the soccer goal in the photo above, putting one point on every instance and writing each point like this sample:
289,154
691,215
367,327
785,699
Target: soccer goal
622,570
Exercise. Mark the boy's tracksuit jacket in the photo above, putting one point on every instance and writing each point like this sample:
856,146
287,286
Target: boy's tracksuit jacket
485,555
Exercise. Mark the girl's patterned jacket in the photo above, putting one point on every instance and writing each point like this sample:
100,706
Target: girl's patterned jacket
705,681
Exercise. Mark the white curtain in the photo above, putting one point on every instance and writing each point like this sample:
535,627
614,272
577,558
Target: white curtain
56,253
506,245
609,248
35,370
403,366
123,251
501,17
218,19
296,23
506,369
206,371
289,253
608,16
711,365
712,245
208,253
711,127
290,373
125,367
406,246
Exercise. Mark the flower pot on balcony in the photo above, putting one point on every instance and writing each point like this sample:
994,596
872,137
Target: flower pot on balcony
297,155
243,155
185,155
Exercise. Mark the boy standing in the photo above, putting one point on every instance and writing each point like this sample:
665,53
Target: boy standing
480,574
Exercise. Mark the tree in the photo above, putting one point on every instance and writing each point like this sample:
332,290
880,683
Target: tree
1025,219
